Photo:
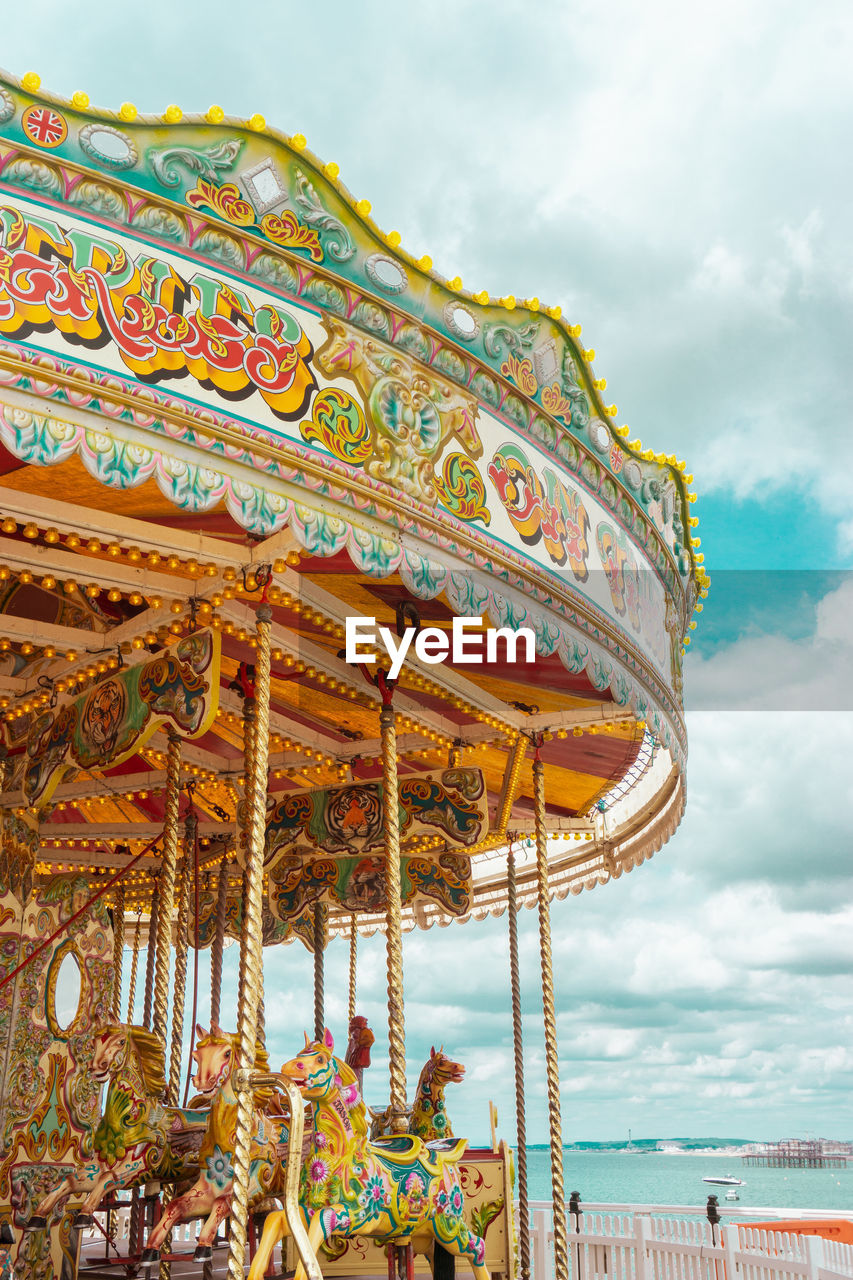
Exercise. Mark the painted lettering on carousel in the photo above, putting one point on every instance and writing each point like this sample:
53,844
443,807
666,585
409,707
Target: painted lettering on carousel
92,291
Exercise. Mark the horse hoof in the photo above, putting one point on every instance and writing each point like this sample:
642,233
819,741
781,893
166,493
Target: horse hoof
84,1220
36,1223
203,1253
149,1257
6,1234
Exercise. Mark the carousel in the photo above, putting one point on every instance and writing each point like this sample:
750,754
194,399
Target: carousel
333,600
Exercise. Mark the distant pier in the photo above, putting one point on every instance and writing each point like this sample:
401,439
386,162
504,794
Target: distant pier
798,1154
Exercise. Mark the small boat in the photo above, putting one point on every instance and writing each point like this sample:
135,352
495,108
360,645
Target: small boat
726,1181
732,1194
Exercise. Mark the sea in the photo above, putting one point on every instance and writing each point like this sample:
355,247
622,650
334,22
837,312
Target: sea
655,1177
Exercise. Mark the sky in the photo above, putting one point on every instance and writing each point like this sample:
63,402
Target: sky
677,178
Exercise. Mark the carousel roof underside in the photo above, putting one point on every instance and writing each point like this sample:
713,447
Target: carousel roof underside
71,612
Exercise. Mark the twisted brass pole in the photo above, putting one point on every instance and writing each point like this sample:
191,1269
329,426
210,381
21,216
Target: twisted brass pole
134,965
150,956
353,953
393,918
241,971
320,916
518,1052
166,904
249,728
179,991
218,942
133,1227
173,1090
552,1064
253,930
118,948
245,833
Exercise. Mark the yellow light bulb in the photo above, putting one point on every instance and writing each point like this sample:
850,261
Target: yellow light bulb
257,122
214,115
127,112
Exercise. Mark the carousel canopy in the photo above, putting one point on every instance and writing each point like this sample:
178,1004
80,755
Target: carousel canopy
220,380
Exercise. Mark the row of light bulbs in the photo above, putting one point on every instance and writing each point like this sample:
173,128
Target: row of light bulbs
75,541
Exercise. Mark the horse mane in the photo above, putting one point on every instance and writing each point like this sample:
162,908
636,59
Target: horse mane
358,1111
216,1035
151,1056
425,1076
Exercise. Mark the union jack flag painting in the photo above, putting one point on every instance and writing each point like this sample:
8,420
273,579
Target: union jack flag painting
43,126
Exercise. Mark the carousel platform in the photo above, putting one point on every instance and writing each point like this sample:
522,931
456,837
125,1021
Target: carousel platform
94,1266
98,1260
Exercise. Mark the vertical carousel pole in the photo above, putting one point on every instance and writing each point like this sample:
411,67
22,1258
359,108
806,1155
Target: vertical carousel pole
133,1229
249,740
518,1052
134,965
218,942
393,910
181,947
166,903
252,928
552,1064
353,954
150,955
173,1088
134,1236
160,1015
118,948
320,918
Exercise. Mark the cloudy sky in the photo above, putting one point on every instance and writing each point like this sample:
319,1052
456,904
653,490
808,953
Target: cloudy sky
677,177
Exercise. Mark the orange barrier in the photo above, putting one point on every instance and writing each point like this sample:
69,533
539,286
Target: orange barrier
840,1229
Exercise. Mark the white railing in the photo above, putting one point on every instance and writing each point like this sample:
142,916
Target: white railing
672,1242
641,1242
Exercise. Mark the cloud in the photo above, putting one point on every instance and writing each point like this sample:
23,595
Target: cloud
764,668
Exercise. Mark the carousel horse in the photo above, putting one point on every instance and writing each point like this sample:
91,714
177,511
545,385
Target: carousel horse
210,1196
137,1137
429,1117
397,1190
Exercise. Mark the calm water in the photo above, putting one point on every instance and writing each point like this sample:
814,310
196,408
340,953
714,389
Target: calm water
620,1177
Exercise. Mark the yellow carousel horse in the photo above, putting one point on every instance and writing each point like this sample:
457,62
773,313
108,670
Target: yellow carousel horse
210,1196
429,1118
396,1190
137,1137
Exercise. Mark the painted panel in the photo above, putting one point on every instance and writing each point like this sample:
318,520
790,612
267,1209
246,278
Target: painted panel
167,319
50,1100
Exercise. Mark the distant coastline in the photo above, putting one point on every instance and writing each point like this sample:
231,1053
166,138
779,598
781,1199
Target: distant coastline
726,1147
